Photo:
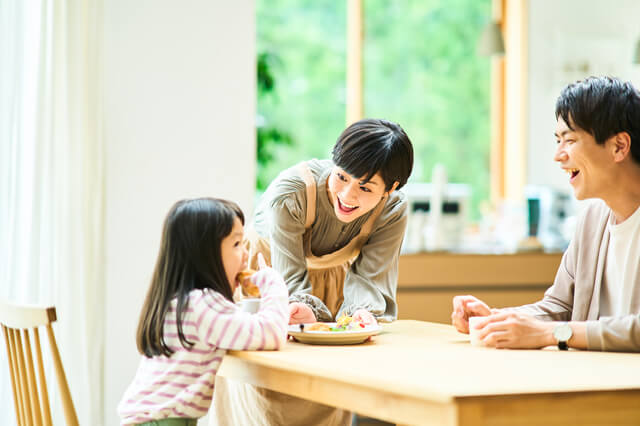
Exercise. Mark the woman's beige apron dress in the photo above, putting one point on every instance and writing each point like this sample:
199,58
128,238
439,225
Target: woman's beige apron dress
237,403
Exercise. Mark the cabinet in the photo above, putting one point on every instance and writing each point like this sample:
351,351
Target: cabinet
427,282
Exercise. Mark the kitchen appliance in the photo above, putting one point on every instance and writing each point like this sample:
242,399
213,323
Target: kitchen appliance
421,235
548,209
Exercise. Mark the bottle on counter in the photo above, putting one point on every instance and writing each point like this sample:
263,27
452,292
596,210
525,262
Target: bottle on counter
434,232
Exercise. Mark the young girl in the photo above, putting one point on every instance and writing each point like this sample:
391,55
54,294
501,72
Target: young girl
189,320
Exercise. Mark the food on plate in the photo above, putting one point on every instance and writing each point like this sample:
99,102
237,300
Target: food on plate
318,326
344,323
347,323
249,289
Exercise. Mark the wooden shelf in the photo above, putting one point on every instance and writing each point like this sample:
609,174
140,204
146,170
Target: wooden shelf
442,269
427,282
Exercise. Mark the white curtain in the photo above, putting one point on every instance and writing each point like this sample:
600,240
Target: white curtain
52,186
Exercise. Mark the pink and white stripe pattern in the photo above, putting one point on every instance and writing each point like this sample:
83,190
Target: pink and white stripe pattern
182,385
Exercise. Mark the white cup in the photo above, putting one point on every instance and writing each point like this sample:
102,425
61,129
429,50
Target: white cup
251,305
473,331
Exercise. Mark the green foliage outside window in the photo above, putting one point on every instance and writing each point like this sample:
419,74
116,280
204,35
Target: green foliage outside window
269,137
420,70
308,103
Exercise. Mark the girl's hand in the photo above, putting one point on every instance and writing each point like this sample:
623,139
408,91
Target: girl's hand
365,317
248,280
261,262
299,313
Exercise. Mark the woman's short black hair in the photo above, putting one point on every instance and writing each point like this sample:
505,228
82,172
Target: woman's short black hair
370,146
603,107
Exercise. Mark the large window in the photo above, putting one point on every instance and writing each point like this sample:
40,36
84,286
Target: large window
302,44
420,70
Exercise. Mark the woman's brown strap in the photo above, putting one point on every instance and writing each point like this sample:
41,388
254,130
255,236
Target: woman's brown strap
310,183
368,225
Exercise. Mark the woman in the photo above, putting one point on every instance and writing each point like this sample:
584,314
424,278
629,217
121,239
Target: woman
333,229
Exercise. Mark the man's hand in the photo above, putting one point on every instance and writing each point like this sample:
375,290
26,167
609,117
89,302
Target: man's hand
299,313
364,316
465,307
516,331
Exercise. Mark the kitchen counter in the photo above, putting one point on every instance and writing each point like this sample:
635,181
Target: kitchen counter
427,282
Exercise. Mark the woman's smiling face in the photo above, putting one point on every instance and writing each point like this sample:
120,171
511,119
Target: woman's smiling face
352,197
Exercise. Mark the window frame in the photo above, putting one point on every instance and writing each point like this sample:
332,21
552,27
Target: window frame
509,98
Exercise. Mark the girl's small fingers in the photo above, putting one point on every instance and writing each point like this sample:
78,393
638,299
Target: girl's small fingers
261,262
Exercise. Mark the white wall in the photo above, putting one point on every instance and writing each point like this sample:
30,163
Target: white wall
570,40
179,81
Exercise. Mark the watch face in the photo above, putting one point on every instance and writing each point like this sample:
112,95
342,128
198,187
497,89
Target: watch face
563,332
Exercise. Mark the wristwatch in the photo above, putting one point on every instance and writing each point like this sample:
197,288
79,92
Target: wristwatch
563,333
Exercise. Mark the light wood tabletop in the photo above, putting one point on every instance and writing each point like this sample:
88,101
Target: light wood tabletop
422,373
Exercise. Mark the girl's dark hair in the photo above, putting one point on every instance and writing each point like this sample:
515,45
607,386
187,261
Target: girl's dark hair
603,107
370,146
189,258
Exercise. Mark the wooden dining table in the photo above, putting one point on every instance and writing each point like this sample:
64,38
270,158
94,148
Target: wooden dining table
421,373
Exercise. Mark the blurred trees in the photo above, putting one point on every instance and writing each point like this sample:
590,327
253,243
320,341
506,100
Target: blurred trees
268,136
308,103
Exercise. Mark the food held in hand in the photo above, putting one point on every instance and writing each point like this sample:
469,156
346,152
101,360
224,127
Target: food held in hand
243,275
249,289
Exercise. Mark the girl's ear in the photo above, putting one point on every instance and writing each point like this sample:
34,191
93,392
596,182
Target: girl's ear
393,188
621,146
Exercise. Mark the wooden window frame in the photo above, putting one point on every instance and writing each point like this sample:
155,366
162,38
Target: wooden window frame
509,97
355,46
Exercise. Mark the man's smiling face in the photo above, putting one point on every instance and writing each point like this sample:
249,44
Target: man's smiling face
588,164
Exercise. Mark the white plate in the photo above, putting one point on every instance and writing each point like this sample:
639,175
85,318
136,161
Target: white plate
347,337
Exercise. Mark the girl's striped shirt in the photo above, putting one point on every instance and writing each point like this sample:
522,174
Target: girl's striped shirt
182,385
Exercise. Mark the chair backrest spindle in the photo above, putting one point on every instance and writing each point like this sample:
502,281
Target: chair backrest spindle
22,376
8,338
36,414
31,397
44,394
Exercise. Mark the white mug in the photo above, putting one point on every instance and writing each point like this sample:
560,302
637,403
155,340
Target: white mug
473,331
251,305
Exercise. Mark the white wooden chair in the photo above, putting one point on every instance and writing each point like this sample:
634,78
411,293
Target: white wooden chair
32,400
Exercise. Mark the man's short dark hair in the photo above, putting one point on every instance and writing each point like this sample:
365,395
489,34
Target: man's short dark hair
603,107
370,146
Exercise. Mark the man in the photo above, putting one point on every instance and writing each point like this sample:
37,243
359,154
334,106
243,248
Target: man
594,302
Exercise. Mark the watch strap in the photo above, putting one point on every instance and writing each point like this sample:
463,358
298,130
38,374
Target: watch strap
563,333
